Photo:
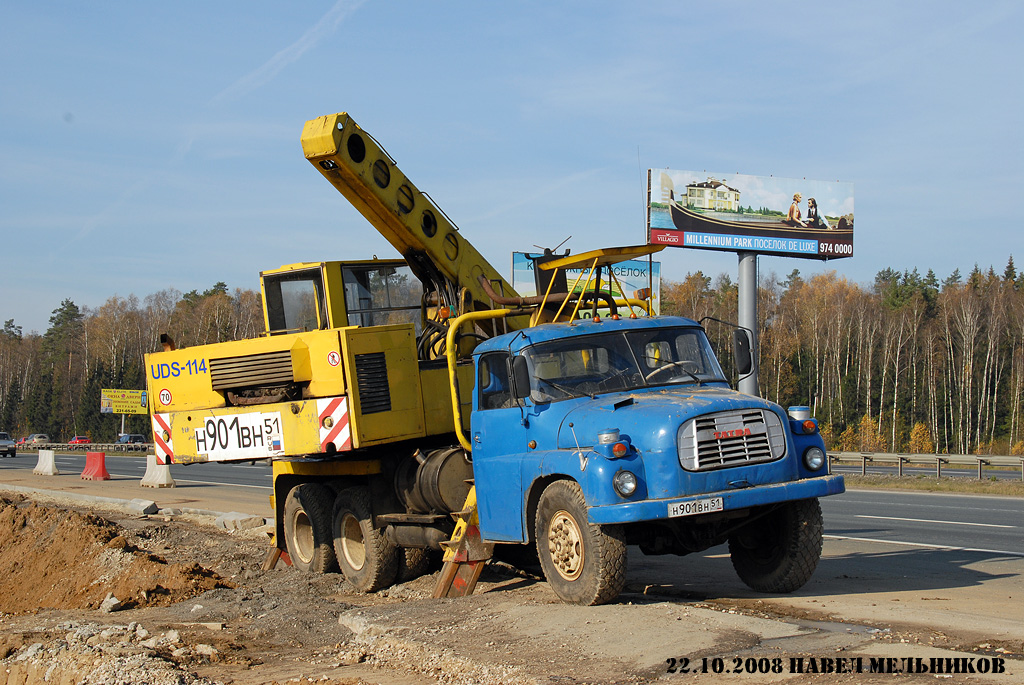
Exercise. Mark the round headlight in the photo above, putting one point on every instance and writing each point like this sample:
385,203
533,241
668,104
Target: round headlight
625,483
814,458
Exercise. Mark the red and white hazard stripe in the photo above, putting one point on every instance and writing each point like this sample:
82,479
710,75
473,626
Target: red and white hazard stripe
337,429
164,448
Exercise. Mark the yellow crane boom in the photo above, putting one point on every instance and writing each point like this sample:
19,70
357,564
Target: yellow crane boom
366,175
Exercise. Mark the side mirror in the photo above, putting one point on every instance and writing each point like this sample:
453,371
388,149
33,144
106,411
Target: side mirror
520,377
741,351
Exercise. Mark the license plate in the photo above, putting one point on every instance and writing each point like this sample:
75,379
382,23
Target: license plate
254,435
697,506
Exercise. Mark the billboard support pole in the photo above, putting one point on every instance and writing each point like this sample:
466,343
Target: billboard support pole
747,310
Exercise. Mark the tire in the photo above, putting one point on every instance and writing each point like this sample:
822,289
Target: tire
583,563
413,562
779,551
367,558
307,528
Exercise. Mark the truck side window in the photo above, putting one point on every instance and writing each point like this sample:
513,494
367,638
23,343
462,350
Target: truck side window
295,301
381,295
495,389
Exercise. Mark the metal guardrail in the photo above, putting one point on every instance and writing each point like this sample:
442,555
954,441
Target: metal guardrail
936,460
89,447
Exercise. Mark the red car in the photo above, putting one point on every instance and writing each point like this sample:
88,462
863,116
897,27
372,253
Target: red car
79,440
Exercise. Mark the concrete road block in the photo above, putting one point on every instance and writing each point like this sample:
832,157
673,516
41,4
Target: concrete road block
158,475
46,466
95,466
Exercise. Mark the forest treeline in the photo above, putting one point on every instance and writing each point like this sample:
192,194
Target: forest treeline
51,383
909,363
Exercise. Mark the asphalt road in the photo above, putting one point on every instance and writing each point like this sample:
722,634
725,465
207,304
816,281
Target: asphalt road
928,520
923,520
242,474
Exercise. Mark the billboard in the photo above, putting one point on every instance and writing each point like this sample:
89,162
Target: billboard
740,213
123,402
634,276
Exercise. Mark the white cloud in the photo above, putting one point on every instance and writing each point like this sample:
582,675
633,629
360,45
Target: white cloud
289,55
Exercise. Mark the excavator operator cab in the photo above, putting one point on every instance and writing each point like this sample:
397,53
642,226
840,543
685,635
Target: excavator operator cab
314,296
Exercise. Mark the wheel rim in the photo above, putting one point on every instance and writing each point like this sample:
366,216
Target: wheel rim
352,542
565,545
303,537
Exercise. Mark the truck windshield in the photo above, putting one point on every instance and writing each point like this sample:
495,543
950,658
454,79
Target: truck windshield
593,364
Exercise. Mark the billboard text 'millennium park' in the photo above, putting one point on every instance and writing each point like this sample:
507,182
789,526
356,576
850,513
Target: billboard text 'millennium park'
740,213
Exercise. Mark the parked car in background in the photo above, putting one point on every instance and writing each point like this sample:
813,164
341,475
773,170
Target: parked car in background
22,441
79,440
131,439
38,438
127,442
7,446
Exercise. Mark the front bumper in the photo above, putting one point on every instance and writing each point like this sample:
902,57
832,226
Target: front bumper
652,510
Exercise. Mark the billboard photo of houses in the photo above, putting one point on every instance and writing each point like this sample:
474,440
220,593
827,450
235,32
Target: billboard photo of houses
743,213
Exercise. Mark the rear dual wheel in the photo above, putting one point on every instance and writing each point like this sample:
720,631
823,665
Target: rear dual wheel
307,528
368,559
325,534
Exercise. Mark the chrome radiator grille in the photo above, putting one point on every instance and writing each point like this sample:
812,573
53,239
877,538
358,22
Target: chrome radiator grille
731,438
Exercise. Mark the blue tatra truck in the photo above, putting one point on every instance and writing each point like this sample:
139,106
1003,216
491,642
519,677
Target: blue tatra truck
591,436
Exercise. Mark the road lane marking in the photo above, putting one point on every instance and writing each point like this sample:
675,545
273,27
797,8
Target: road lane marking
952,523
854,504
926,545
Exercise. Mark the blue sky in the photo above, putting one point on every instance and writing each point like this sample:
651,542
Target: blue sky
146,146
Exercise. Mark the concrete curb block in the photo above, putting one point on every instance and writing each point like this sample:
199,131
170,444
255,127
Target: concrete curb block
143,506
238,521
157,475
96,499
46,465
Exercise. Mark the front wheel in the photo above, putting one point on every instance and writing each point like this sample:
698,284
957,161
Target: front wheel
367,558
779,551
584,563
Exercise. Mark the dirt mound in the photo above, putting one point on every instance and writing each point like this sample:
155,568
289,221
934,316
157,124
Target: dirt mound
52,558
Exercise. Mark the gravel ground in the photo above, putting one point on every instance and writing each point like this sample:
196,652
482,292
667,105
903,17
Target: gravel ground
89,596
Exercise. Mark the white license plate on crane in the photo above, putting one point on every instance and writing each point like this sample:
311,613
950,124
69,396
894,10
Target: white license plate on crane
253,435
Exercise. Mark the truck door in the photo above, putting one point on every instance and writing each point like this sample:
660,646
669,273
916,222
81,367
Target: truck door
499,443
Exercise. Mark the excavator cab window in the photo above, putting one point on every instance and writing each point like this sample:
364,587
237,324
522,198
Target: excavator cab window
377,295
295,301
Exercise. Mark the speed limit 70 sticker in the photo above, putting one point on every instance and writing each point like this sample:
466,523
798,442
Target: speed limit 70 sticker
165,396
